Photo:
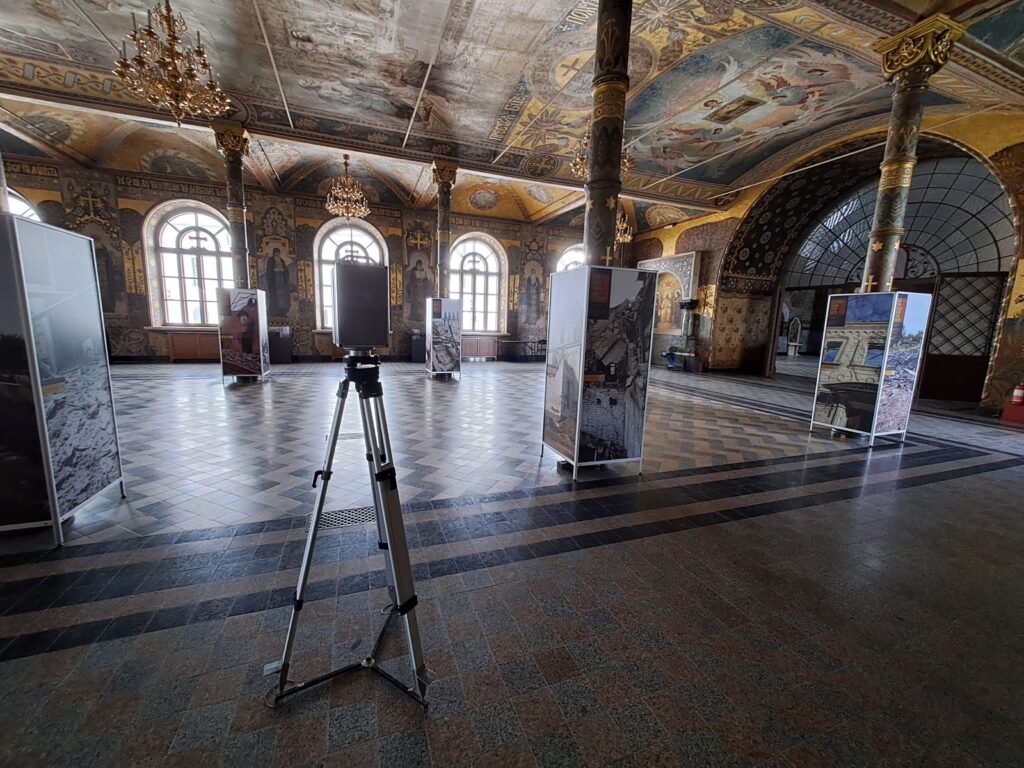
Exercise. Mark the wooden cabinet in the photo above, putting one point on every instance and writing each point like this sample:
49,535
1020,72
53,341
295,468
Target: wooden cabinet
193,345
480,346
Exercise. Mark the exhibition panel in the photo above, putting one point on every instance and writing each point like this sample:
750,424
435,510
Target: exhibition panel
60,437
244,338
444,336
870,358
598,363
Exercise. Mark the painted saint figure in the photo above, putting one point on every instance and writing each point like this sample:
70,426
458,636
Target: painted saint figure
417,289
279,294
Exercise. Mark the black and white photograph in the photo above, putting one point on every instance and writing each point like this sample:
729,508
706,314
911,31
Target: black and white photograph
444,336
566,325
616,363
67,328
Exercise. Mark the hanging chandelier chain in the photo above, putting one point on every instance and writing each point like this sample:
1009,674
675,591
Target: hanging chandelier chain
167,73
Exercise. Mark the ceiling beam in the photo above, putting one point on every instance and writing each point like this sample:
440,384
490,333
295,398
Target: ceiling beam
556,208
426,75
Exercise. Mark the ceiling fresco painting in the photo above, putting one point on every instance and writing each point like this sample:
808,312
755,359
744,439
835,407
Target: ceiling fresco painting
707,106
717,86
1003,31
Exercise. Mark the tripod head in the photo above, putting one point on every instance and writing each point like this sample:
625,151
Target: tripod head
362,366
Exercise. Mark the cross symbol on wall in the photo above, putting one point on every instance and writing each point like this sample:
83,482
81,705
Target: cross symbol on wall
870,283
572,68
607,256
417,239
91,203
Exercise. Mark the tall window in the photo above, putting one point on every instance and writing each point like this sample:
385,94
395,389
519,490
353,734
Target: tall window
571,258
349,241
194,259
476,273
20,206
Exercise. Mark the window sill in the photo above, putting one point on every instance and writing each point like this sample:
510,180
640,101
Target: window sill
183,328
496,334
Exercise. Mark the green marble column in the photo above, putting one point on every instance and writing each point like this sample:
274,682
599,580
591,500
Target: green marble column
444,178
611,81
233,144
909,59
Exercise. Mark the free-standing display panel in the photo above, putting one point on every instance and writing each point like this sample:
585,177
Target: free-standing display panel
600,324
870,358
244,337
59,442
444,336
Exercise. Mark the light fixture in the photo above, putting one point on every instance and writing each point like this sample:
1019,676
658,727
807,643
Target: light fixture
623,232
579,166
166,76
346,197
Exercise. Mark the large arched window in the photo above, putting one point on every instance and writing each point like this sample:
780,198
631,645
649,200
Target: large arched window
477,275
571,258
193,256
343,240
20,206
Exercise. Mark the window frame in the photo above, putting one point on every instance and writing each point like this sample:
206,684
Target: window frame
466,252
564,266
324,238
206,285
28,212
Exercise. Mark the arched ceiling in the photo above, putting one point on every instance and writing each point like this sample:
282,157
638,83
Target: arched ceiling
958,220
717,86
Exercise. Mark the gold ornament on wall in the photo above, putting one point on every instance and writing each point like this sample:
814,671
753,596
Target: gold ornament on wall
167,73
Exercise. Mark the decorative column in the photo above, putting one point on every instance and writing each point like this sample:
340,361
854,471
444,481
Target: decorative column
909,59
233,144
611,81
444,177
5,205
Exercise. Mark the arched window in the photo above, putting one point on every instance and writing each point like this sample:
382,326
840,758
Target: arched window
343,240
477,274
193,250
19,206
571,258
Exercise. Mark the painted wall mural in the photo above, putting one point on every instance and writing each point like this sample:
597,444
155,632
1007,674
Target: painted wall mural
112,208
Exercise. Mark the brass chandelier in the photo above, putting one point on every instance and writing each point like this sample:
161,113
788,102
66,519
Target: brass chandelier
623,232
579,166
166,76
346,197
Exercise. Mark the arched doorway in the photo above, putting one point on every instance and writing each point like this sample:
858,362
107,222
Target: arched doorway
959,246
788,241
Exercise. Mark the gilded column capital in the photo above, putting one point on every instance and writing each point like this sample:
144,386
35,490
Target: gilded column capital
231,137
444,171
925,47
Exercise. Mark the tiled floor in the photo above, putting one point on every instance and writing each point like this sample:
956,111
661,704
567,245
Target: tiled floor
759,597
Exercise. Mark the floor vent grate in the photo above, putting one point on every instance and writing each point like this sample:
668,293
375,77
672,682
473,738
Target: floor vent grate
339,518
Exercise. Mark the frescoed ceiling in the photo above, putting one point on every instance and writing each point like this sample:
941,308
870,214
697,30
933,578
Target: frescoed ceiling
718,87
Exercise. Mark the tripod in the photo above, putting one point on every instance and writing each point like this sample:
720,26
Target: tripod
362,369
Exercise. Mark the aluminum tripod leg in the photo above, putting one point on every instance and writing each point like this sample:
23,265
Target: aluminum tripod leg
324,477
396,553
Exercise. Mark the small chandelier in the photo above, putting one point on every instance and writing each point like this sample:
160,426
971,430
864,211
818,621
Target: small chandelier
623,232
579,166
166,76
346,197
